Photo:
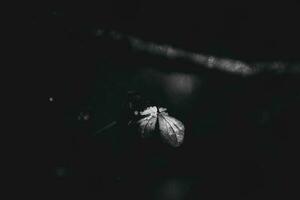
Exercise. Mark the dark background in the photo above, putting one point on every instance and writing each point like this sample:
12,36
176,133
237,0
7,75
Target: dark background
241,132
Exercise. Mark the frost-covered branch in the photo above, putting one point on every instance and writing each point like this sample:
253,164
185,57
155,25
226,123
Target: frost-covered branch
207,61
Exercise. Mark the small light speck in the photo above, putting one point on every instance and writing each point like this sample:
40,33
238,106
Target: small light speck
51,99
84,116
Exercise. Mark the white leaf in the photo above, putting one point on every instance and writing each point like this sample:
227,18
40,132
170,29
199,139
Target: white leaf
171,129
147,125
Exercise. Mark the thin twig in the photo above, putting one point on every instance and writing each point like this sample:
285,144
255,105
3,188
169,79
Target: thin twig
108,126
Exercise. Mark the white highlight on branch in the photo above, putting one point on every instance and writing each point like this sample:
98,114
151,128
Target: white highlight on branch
206,61
228,65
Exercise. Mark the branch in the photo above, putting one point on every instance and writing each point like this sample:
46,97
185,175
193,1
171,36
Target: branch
206,61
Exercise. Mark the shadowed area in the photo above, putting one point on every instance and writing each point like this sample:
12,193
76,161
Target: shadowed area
240,130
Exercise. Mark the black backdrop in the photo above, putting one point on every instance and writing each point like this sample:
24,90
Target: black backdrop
240,134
